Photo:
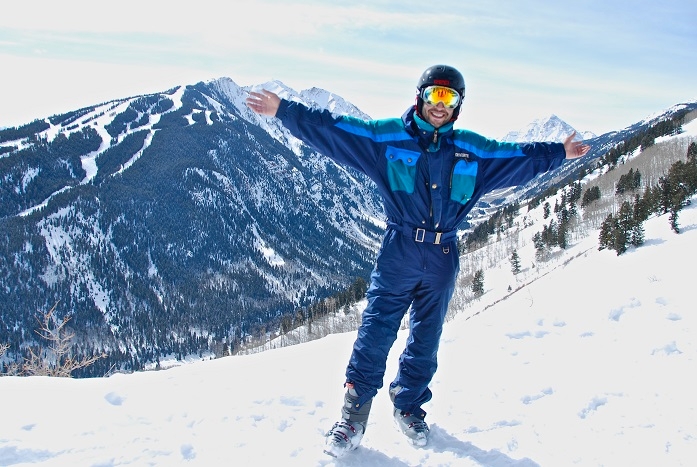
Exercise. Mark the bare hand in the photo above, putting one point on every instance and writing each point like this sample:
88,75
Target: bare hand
575,149
264,103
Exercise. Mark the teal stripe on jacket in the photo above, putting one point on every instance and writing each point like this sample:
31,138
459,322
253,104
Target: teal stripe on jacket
380,131
478,145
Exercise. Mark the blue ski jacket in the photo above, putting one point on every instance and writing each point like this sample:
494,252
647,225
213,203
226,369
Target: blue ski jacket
428,178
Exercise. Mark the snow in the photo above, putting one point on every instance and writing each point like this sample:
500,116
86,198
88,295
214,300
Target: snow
271,257
591,364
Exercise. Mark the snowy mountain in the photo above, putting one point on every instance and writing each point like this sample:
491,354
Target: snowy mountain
551,128
180,224
176,223
588,361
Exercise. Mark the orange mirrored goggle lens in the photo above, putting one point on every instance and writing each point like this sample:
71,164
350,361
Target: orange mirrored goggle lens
436,94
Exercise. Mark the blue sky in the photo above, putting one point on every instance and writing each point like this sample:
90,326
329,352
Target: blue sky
598,65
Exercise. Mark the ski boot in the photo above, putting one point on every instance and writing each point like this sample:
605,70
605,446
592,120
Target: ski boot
346,434
411,424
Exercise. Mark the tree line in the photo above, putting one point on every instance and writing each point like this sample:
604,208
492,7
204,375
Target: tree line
645,138
670,195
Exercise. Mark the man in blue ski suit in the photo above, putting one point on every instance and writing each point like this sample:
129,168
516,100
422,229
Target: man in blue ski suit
430,176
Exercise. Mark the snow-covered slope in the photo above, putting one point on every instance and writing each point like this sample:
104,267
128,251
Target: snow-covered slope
592,363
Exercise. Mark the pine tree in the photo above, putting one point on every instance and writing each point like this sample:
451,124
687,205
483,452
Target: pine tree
590,195
651,200
515,262
546,210
605,239
679,185
623,228
673,219
641,209
562,237
538,241
550,234
637,234
628,182
692,153
665,190
478,282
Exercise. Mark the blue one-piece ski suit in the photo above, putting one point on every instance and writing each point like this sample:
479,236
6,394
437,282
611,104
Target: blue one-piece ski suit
429,180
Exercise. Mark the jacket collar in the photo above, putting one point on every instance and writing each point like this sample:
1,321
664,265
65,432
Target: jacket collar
416,125
424,131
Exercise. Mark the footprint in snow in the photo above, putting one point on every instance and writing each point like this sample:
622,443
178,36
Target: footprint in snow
114,398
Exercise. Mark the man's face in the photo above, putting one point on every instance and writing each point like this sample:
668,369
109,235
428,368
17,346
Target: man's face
437,115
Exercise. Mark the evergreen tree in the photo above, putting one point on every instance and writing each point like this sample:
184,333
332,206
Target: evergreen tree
562,235
678,186
562,212
673,219
623,228
515,262
665,189
575,192
618,232
478,282
651,200
692,153
628,182
637,234
641,209
606,232
572,209
539,243
590,195
550,234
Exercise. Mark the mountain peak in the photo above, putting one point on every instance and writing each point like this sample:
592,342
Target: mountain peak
318,97
550,128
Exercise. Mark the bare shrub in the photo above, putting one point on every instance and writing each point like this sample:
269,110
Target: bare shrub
54,360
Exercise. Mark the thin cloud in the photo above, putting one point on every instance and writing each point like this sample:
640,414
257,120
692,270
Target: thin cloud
518,59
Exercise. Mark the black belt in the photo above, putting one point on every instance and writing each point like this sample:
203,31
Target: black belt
420,235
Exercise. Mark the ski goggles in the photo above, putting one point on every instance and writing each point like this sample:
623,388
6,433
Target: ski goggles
436,94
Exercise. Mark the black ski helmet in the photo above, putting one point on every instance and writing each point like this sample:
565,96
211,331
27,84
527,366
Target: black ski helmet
442,75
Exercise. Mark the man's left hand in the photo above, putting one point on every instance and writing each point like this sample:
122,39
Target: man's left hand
575,149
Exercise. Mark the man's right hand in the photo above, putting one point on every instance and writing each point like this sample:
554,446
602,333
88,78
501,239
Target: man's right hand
264,103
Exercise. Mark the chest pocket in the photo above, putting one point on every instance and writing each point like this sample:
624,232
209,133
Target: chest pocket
401,168
463,180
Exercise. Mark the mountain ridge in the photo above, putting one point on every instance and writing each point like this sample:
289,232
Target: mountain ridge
181,223
550,128
106,231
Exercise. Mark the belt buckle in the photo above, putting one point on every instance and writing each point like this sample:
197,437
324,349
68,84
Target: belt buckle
437,240
420,235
